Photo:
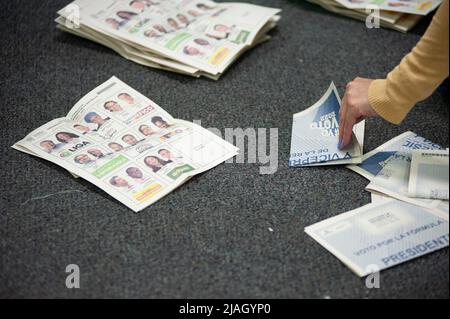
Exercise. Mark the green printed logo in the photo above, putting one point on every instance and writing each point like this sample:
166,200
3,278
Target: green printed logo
242,37
177,171
110,166
176,40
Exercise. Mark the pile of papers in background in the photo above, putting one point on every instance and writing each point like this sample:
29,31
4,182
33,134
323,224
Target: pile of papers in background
409,183
400,15
194,37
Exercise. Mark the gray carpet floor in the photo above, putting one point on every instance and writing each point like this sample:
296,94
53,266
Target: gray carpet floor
210,238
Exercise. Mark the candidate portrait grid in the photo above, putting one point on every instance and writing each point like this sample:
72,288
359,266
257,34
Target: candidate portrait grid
165,16
123,104
142,147
137,169
153,168
126,142
158,23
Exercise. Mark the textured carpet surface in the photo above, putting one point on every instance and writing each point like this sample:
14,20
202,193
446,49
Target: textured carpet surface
211,237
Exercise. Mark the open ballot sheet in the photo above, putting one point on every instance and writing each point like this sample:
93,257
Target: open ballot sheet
197,37
374,161
420,7
381,235
127,145
315,135
429,175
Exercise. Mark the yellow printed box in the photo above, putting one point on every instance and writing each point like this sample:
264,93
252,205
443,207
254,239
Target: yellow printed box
148,192
219,56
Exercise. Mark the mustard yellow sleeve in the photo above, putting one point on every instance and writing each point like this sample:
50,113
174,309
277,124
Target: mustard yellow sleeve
417,76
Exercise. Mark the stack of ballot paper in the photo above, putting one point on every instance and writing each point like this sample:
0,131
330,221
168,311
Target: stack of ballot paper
400,15
409,168
127,145
428,177
315,135
409,214
194,37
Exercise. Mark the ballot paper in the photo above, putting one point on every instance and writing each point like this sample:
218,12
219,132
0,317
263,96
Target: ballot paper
373,161
420,7
441,210
195,37
381,235
377,197
399,21
429,174
393,180
127,145
315,135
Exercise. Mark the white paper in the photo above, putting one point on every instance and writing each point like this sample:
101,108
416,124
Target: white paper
420,7
127,145
429,176
393,181
374,161
200,34
381,235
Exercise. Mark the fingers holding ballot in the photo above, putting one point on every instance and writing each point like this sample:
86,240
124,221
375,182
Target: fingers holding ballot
408,178
355,107
315,135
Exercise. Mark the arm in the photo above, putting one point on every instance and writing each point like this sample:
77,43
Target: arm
414,79
418,74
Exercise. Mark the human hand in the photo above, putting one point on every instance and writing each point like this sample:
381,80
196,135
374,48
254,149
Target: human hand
355,107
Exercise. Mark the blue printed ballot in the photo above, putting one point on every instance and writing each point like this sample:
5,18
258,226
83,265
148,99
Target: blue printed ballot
393,178
315,135
381,235
374,161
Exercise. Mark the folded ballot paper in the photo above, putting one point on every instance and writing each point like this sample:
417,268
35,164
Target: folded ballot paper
388,169
401,223
429,175
193,37
400,15
315,135
381,235
420,7
127,145
374,161
393,179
